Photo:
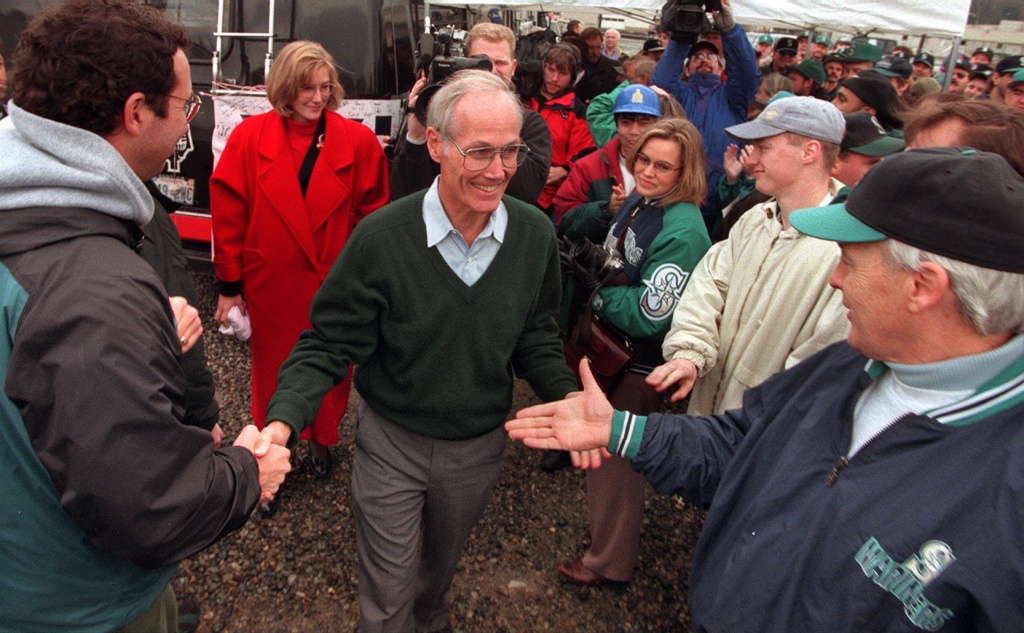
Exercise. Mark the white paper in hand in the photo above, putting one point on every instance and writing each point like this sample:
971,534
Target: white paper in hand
238,325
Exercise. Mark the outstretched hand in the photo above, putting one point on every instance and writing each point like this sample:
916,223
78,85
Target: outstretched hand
581,422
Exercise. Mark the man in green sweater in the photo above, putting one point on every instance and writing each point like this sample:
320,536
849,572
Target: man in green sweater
439,298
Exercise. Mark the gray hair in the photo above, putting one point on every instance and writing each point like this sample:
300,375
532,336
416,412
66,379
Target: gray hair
989,299
441,111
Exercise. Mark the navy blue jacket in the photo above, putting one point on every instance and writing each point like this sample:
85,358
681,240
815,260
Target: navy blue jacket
921,530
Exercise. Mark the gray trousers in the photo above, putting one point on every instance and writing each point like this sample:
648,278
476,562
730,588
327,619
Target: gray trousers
416,500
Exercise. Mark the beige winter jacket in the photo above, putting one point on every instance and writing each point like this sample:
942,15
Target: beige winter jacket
757,303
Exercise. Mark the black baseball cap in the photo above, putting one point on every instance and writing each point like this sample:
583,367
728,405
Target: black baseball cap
702,46
981,70
925,58
894,67
866,136
984,50
653,45
878,93
1009,64
952,201
786,44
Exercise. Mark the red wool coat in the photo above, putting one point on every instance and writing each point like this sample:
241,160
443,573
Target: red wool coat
266,235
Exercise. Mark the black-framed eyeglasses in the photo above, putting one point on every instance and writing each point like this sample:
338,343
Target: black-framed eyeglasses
191,106
478,158
660,167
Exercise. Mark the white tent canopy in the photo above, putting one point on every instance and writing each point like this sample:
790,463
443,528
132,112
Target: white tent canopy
942,18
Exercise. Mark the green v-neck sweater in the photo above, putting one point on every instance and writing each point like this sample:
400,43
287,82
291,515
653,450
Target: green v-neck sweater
434,355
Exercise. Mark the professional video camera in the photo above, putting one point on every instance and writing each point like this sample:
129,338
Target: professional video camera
687,20
442,57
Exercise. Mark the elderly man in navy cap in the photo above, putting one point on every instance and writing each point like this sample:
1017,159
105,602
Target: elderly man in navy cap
877,485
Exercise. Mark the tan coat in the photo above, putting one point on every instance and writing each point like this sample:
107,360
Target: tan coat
757,303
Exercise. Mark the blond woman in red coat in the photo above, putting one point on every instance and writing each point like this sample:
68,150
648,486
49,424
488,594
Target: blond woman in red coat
276,237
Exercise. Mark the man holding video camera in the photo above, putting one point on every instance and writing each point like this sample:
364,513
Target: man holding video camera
711,102
412,169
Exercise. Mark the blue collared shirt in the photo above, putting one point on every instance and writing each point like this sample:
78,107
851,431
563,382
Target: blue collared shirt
468,262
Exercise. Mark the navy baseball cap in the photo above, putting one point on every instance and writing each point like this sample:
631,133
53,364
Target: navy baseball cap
952,201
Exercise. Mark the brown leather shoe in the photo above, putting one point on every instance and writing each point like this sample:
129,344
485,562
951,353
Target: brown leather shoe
577,573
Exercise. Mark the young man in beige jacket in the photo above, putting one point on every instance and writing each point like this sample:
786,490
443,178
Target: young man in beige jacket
759,302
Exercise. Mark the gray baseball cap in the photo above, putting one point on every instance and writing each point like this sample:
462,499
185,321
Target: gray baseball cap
806,116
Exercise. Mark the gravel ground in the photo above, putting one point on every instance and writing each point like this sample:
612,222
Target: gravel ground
296,571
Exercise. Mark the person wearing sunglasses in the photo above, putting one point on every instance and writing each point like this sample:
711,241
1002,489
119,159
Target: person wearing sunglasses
438,298
289,188
660,235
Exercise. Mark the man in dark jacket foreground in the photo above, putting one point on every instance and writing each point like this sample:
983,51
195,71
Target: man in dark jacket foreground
104,489
875,486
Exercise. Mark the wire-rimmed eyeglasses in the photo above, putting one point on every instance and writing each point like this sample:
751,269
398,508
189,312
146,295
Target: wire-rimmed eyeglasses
660,167
192,104
711,57
325,90
478,158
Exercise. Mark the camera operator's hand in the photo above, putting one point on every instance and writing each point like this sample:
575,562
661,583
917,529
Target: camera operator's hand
415,131
723,19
